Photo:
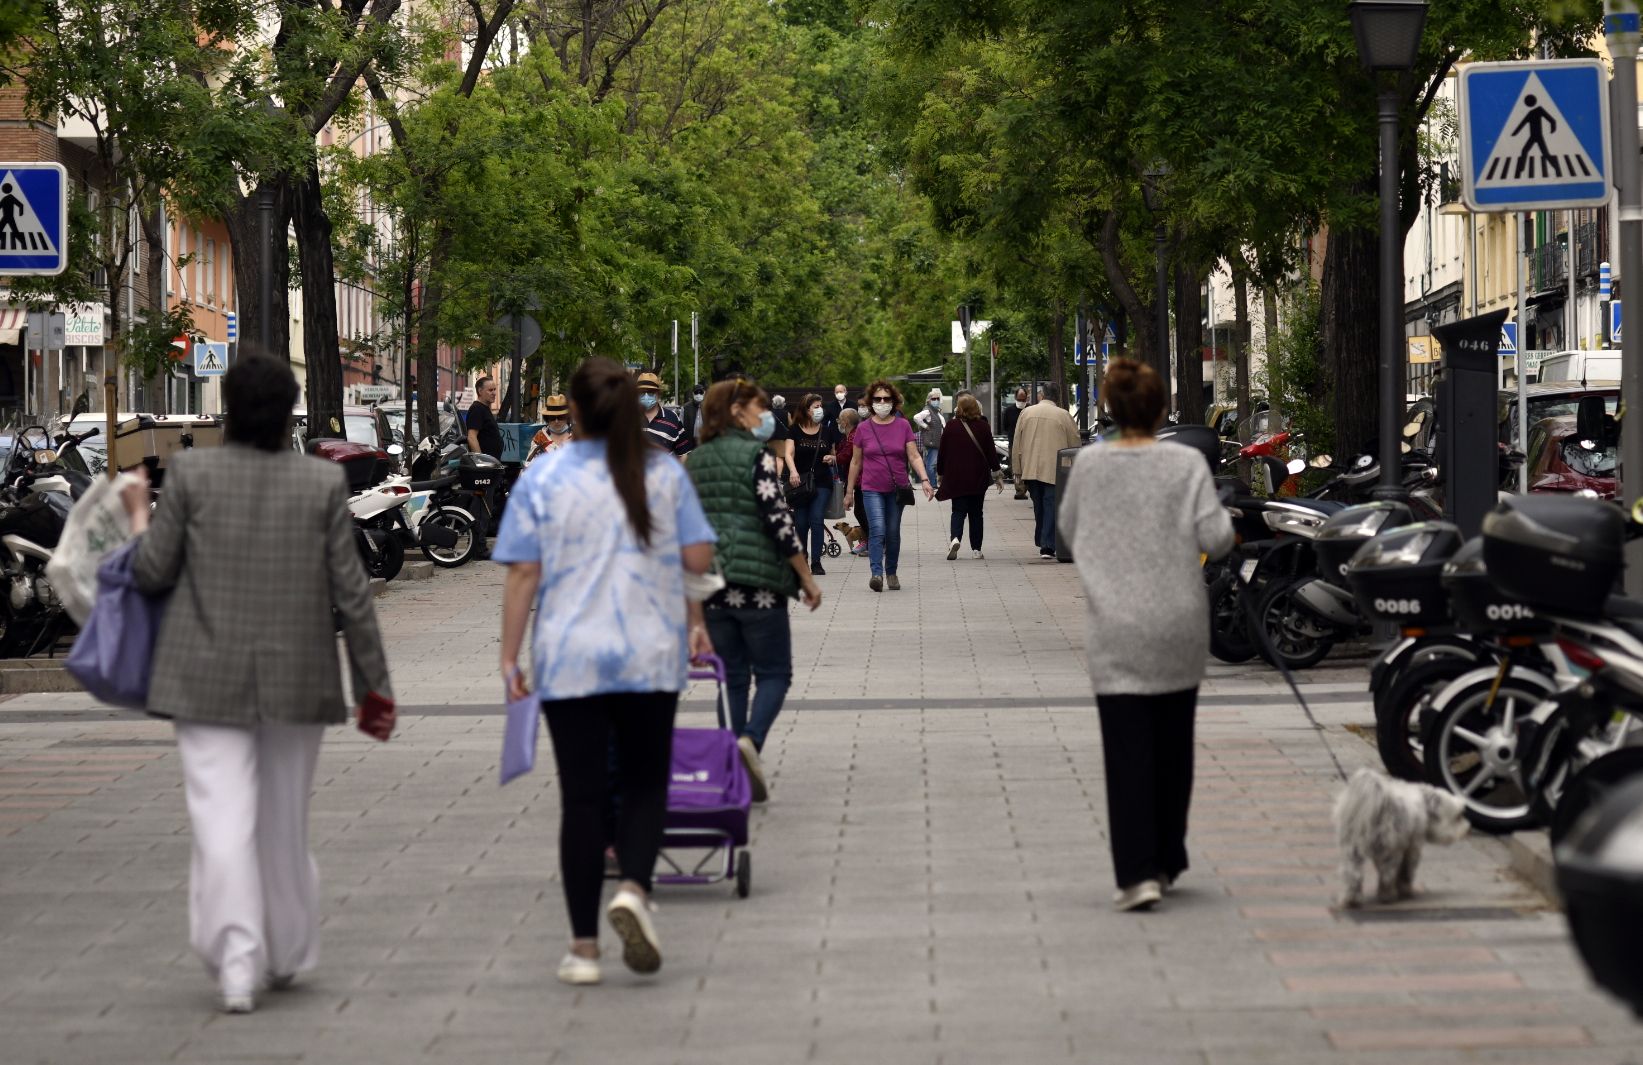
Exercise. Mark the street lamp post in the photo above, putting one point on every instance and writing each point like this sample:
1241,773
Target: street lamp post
1154,199
1389,36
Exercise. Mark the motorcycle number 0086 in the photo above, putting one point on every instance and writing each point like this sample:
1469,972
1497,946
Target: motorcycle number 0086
1397,606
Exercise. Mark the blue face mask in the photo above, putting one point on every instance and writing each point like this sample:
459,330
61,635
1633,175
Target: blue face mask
647,400
767,427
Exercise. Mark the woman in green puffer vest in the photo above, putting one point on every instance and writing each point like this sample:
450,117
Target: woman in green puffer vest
760,556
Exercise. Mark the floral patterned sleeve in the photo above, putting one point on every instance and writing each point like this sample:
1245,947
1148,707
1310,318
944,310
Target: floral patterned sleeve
778,519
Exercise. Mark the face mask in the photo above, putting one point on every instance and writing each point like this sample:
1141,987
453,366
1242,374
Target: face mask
840,397
935,404
560,430
882,409
647,400
766,428
815,414
699,396
862,411
1020,403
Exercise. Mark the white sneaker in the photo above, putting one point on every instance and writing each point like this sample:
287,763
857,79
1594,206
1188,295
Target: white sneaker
755,769
977,554
578,971
629,915
952,550
1142,896
238,1002
1050,555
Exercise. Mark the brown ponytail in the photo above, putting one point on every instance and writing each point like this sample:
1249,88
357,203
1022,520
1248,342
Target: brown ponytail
607,403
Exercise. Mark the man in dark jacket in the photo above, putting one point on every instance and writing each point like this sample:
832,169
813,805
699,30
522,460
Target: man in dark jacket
1012,415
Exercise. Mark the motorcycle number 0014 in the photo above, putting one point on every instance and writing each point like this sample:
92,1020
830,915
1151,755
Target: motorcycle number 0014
1398,606
1509,612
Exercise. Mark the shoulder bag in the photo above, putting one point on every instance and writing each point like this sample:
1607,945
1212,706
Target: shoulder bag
998,475
805,492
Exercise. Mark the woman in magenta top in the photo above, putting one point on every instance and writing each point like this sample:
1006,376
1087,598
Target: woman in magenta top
884,447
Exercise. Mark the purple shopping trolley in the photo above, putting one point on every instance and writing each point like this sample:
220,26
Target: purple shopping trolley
708,799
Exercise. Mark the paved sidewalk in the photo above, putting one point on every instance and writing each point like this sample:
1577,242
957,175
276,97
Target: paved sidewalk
930,879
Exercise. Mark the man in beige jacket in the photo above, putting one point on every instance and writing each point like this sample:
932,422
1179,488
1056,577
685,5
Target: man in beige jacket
1044,429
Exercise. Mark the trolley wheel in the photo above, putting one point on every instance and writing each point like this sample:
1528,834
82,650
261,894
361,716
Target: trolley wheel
744,874
833,549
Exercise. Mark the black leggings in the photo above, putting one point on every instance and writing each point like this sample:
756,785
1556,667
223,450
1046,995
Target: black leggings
971,506
582,729
1146,743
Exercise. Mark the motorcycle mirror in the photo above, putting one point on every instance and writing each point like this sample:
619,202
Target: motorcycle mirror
1296,466
1322,461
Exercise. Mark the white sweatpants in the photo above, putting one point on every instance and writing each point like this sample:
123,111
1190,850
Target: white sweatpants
253,887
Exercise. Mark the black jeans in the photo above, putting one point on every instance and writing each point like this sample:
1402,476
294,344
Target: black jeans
968,506
1146,741
642,724
1043,494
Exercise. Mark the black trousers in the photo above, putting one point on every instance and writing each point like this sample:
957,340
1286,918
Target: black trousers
968,507
1146,741
641,724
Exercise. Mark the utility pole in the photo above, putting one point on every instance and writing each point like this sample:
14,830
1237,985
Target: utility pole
265,316
1620,25
1521,219
964,326
695,358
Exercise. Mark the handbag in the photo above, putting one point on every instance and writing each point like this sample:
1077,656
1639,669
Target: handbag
804,493
835,503
519,736
113,658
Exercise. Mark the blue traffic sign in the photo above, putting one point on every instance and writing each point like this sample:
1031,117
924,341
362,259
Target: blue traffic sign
1534,135
33,218
1614,321
210,359
1508,340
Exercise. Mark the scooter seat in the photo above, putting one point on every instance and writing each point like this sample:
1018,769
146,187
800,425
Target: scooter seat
435,485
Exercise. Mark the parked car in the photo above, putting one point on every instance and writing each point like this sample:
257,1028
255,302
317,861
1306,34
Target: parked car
1554,399
1578,366
362,425
1560,461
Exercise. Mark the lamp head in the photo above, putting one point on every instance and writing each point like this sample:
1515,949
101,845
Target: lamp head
1388,32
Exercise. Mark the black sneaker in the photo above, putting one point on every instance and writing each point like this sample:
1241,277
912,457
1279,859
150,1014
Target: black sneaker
816,570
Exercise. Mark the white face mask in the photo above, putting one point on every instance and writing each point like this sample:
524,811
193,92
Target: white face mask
840,397
1020,403
882,409
815,414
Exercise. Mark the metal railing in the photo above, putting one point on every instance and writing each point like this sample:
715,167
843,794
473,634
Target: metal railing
1547,267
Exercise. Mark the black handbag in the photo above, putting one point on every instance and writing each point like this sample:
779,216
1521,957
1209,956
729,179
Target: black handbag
804,493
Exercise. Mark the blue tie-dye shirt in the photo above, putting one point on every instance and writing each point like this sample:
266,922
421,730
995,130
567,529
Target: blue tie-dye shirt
610,612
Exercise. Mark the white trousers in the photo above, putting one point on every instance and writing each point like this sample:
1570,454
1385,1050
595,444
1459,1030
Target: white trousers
253,887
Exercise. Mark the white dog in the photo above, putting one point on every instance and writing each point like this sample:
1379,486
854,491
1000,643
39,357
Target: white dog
1385,822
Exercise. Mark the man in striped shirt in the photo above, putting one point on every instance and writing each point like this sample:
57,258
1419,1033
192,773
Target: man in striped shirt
663,427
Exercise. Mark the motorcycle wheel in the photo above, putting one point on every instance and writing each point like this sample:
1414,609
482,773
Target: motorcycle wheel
1229,637
467,541
1286,628
1475,749
1404,710
390,562
1591,784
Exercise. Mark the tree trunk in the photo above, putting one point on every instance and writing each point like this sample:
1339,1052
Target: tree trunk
1058,355
1351,336
1274,374
319,306
427,333
1140,313
1240,348
244,222
1189,345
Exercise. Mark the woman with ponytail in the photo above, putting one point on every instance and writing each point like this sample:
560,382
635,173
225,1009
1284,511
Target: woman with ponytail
598,534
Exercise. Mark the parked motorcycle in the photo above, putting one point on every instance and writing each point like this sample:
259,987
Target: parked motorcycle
34,504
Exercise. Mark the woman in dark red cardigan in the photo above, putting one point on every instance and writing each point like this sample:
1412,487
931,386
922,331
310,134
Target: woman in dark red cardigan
966,465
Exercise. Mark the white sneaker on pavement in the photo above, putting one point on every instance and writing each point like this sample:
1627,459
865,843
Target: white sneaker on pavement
1046,555
629,915
238,1002
579,971
952,550
754,767
977,554
1142,896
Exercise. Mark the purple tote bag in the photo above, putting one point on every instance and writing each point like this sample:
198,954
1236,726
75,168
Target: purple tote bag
519,736
113,658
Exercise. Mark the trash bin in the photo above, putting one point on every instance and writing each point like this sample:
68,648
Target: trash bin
1064,460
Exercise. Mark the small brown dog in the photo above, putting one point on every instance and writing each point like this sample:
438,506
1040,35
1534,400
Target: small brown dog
855,534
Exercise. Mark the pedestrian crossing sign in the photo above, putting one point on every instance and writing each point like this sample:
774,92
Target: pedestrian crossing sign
210,359
1534,135
33,218
1508,339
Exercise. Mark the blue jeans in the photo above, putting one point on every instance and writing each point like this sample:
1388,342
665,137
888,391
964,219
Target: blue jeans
811,520
756,645
883,531
1043,514
930,463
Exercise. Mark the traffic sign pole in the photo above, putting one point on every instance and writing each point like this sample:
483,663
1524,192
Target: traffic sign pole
1620,25
1519,360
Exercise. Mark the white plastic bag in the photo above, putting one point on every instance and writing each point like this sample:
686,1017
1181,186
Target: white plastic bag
96,525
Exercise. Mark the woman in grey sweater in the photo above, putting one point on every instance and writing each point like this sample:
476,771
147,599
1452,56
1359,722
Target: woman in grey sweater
1139,515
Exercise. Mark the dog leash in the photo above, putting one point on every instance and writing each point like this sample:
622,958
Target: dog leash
1276,659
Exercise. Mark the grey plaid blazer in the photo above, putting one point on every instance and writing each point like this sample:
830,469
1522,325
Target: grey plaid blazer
256,547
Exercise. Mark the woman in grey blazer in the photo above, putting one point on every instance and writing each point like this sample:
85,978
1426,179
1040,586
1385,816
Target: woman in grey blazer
255,544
